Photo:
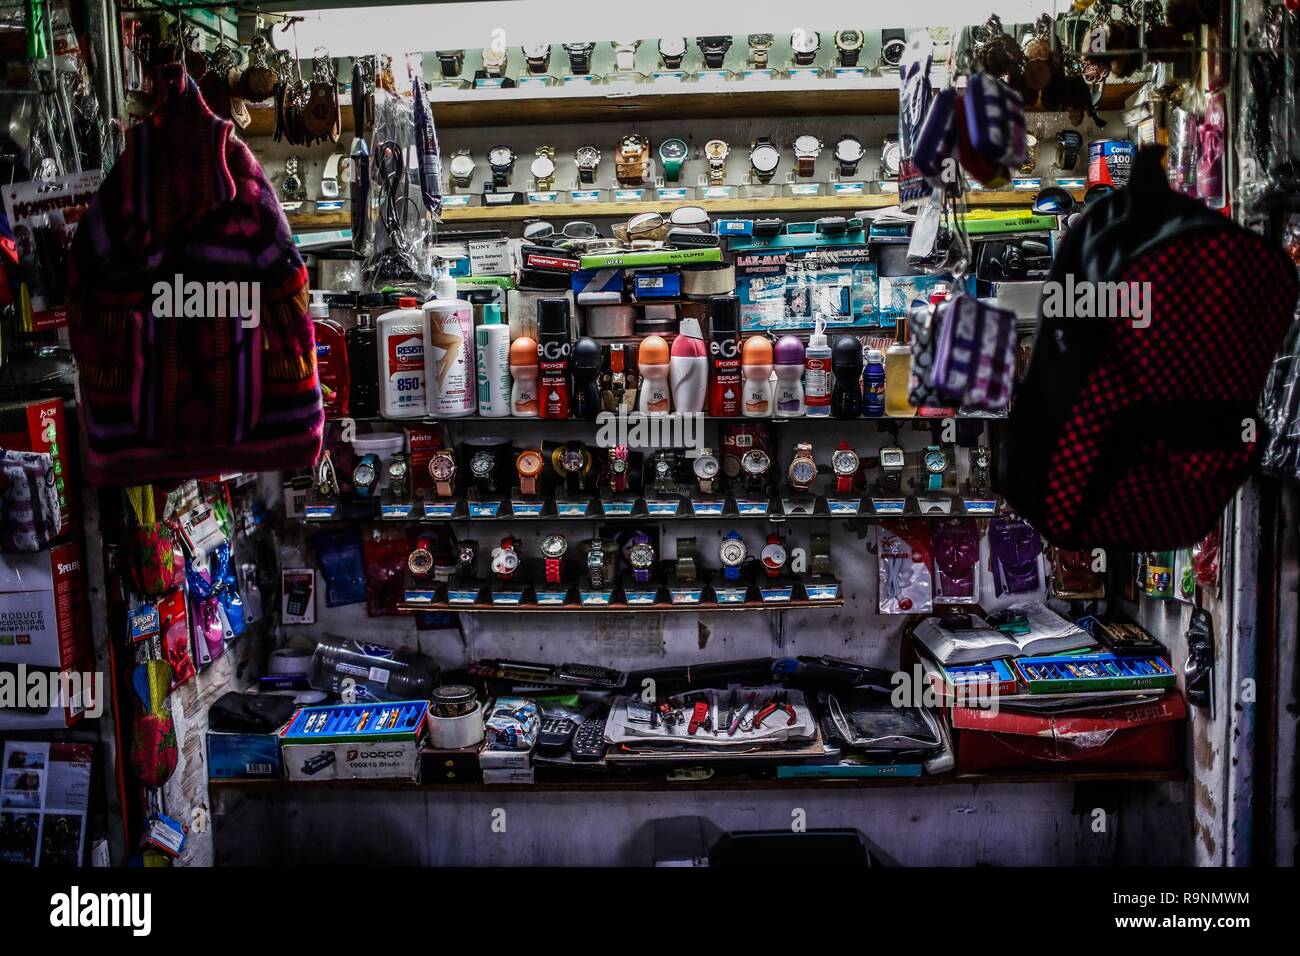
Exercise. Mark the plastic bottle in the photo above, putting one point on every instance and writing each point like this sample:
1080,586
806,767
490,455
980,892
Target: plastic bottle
724,353
873,385
554,346
756,367
492,357
401,360
587,362
654,361
846,362
690,367
331,359
789,358
523,369
817,378
371,671
451,388
898,375
363,367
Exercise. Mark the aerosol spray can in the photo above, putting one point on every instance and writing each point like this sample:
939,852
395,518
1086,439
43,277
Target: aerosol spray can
724,354
554,347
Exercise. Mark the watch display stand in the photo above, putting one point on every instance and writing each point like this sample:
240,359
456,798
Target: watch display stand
777,590
465,592
508,593
457,200
450,83
685,592
483,507
758,74
567,507
493,82
526,506
821,587
805,72
673,192
663,507
629,194
804,188
595,597
799,504
637,594
551,595
889,504
980,504
580,79
441,507
669,76
752,506
757,190
847,187
543,197
624,76
424,590
850,72
536,80
614,504
705,191
580,192
704,504
320,508
713,76
846,504
396,508
730,592
502,197
934,503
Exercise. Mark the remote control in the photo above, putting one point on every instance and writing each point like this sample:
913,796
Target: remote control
557,732
589,742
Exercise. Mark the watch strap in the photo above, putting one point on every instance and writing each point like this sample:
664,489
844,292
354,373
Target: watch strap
553,570
579,62
806,165
687,567
820,545
451,63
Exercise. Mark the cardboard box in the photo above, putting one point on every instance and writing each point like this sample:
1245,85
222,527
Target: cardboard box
45,626
42,426
243,755
395,759
1125,737
450,766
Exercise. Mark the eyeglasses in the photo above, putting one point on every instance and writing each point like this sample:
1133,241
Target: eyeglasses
535,231
689,216
1096,192
579,230
1053,201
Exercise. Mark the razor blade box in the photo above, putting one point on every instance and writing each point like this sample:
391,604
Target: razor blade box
354,741
1071,673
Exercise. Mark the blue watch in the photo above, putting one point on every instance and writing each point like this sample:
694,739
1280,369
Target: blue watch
732,554
366,475
936,462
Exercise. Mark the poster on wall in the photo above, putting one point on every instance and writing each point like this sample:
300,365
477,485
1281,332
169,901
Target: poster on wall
44,796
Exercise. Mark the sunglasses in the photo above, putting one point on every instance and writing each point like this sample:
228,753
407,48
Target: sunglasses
1053,201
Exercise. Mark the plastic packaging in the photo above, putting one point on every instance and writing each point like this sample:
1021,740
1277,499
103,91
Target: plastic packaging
370,671
788,361
451,389
818,380
338,555
401,361
905,567
655,364
492,361
756,367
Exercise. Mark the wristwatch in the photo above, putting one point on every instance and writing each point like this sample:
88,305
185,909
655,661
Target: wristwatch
760,45
936,463
849,44
686,568
451,61
528,463
891,156
820,546
461,168
501,159
618,468
365,474
494,61
844,462
803,469
891,470
442,469
773,556
420,561
624,53
716,152
804,44
630,163
663,465
672,50
672,154
714,50
538,57
806,150
553,548
596,562
399,475
327,482
579,57
292,187
892,45
543,168
732,553
848,153
706,470
587,159
571,461
980,460
505,559
641,555
755,464
466,559
482,468
764,158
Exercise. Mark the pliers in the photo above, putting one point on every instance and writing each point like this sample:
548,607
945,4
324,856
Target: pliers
778,700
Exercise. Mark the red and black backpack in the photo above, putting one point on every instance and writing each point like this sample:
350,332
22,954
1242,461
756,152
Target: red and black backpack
1134,437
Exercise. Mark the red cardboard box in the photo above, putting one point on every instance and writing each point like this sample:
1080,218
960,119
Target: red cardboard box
41,426
1124,737
44,629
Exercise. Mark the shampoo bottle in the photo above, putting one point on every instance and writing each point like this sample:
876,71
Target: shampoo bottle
817,377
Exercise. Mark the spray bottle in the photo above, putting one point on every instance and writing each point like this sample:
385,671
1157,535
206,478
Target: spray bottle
554,347
817,377
756,367
846,361
653,359
690,367
451,385
789,355
401,360
724,352
873,385
523,369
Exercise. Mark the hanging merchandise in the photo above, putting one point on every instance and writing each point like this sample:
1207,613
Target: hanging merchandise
1158,575
29,502
1205,561
974,360
210,393
1074,577
1014,552
174,634
1198,669
338,555
916,91
385,555
906,567
212,629
955,543
154,557
428,160
153,733
400,226
1114,440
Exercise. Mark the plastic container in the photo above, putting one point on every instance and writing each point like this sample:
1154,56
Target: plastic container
363,367
370,671
492,358
401,361
455,733
756,368
818,380
451,386
898,375
523,370
689,368
788,362
654,363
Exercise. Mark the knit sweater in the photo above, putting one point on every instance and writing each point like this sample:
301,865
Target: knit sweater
206,388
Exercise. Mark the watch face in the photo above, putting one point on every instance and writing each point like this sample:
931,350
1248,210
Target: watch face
706,466
480,465
807,143
765,158
493,56
579,47
891,156
732,552
849,150
979,456
363,474
808,41
505,561
802,471
543,167
672,46
595,557
760,40
537,50
554,546
774,556
641,555
618,465
716,149
441,467
673,149
465,555
501,156
891,51
420,562
849,39
632,143
462,165
397,469
662,467
891,458
844,462
571,460
529,463
936,460
755,462
587,156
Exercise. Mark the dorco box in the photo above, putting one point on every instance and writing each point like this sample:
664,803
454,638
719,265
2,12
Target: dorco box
41,426
383,759
45,628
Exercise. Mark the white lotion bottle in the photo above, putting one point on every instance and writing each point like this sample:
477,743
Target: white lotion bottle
492,356
450,379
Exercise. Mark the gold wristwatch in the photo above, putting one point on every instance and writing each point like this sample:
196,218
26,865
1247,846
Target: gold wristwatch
716,152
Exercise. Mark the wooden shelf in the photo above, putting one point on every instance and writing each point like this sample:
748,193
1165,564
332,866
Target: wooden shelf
660,785
630,102
657,608
341,219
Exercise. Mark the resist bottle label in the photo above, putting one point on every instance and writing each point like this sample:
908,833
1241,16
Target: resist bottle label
405,385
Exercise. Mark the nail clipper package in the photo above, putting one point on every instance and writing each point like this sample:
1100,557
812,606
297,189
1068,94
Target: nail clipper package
906,568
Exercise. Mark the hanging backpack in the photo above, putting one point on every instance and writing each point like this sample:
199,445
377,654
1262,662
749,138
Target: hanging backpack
1130,432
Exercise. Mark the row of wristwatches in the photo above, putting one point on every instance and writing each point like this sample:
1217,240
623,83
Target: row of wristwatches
633,152
599,557
673,51
574,467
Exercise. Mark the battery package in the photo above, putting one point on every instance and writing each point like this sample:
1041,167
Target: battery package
656,283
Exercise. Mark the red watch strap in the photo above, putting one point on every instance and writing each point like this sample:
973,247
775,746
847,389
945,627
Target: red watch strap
552,570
